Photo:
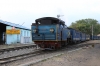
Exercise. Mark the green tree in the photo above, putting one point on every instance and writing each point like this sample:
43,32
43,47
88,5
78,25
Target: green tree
85,25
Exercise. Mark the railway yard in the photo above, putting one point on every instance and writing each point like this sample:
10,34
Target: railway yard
40,34
86,53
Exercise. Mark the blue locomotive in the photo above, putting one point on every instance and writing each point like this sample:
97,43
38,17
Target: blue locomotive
52,33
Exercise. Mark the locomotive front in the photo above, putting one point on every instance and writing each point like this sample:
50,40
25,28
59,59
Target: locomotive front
45,33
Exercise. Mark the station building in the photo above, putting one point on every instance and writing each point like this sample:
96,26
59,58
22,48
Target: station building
11,33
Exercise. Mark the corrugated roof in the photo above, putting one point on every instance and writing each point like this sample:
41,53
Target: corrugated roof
13,24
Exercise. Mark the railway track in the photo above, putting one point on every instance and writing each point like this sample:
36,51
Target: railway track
15,48
18,57
38,52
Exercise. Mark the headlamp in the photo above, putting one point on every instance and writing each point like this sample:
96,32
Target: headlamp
51,30
34,30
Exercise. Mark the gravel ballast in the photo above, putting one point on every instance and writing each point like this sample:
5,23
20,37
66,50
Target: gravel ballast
83,57
69,57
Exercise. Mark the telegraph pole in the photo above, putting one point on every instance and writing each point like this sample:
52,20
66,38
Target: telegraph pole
92,32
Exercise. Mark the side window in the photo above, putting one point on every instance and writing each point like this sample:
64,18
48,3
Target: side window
27,33
24,33
21,33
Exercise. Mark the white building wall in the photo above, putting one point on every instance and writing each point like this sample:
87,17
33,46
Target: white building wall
24,36
11,38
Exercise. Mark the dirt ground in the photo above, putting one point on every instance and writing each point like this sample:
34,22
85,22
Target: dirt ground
84,57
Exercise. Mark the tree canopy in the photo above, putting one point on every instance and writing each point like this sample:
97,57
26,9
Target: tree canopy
85,25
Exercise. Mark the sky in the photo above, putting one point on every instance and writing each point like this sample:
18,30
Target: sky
26,11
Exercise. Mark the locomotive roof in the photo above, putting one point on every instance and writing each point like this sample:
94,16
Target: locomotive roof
51,18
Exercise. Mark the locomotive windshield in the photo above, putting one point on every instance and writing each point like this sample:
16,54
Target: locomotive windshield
47,22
